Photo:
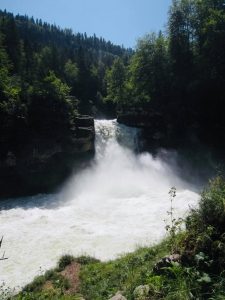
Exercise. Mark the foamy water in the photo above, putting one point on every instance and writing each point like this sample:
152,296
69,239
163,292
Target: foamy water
119,202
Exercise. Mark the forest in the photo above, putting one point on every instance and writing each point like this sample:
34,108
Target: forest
179,75
49,74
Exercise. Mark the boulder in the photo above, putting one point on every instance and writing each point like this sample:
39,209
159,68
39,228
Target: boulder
166,262
118,296
142,292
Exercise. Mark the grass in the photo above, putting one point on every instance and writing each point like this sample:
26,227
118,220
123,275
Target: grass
103,280
99,280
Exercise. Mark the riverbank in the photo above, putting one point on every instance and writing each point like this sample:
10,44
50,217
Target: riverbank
187,265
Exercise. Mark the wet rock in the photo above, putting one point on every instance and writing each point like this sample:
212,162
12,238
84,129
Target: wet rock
84,121
134,119
41,162
85,132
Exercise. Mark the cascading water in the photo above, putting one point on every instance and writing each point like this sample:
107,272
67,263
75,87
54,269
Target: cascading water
117,203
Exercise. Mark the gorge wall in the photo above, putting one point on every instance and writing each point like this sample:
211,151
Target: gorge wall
42,163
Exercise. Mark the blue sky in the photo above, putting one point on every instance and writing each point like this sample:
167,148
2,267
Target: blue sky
121,21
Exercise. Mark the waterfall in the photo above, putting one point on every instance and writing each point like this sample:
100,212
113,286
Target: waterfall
118,202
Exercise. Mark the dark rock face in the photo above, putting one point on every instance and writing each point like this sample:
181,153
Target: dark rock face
158,129
84,121
139,118
43,163
154,127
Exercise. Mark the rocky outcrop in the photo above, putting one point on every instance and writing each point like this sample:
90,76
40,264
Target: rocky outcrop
142,292
154,128
158,130
139,119
43,162
165,262
84,121
118,296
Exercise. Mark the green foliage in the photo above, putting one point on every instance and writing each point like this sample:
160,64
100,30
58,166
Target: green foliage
71,72
58,286
64,261
200,275
103,280
183,71
47,77
67,259
206,229
212,204
116,81
86,260
50,109
54,87
149,72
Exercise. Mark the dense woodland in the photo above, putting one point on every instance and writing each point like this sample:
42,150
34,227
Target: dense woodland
180,75
48,75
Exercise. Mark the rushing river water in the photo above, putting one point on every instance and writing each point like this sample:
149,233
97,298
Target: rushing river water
111,207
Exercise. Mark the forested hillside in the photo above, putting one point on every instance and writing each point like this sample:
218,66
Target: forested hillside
48,77
47,73
177,80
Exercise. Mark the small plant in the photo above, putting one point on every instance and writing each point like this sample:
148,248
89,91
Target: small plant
174,225
64,261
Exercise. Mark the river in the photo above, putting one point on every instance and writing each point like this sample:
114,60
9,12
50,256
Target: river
117,203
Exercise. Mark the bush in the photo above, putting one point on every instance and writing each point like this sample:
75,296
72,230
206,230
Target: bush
205,237
64,261
86,260
212,205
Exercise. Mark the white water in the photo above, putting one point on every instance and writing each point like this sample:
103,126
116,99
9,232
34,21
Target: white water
114,205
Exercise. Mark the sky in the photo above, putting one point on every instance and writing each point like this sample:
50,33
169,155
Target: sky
120,21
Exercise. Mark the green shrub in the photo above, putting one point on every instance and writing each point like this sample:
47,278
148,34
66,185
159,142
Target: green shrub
85,260
212,205
36,284
206,229
64,261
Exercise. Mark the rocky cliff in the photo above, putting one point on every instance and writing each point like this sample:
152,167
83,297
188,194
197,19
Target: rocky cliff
43,162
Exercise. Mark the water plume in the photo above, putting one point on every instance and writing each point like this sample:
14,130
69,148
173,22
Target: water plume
109,208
